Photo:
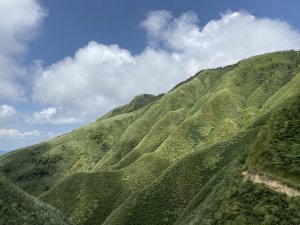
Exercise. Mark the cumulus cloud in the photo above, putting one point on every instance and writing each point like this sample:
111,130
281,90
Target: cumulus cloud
234,36
51,115
16,134
19,23
45,114
99,76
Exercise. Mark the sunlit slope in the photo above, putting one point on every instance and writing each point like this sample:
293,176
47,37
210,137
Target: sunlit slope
167,159
228,199
205,186
17,207
37,168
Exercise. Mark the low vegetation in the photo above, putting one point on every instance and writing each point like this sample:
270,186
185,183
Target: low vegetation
178,158
17,207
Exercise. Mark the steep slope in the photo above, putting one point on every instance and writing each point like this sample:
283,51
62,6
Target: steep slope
163,201
238,201
277,148
37,168
17,207
179,157
138,102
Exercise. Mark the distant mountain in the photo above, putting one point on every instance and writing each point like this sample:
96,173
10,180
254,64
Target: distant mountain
2,152
220,148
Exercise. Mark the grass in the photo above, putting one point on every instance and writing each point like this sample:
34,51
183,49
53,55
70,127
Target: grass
277,148
87,195
229,200
177,158
17,207
163,201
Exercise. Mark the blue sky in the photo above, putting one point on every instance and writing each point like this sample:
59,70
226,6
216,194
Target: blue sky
117,22
64,63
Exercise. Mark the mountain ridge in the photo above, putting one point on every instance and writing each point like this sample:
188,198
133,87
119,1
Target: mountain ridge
165,159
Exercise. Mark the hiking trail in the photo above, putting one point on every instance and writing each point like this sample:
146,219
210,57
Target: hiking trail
271,183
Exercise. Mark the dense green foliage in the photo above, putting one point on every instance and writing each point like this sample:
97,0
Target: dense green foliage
17,207
277,148
178,158
227,200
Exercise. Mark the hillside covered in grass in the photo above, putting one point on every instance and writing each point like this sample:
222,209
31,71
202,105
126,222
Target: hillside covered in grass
17,207
178,158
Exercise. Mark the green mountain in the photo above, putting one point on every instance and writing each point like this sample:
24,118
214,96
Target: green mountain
17,207
223,147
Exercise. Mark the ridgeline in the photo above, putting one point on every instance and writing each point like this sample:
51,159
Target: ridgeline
178,158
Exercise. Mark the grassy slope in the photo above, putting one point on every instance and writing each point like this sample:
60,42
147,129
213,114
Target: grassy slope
231,201
277,148
86,194
17,207
164,200
138,102
131,155
37,168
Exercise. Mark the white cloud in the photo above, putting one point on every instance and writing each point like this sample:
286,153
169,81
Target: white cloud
19,23
99,77
234,36
65,120
6,111
51,115
8,115
45,114
16,134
